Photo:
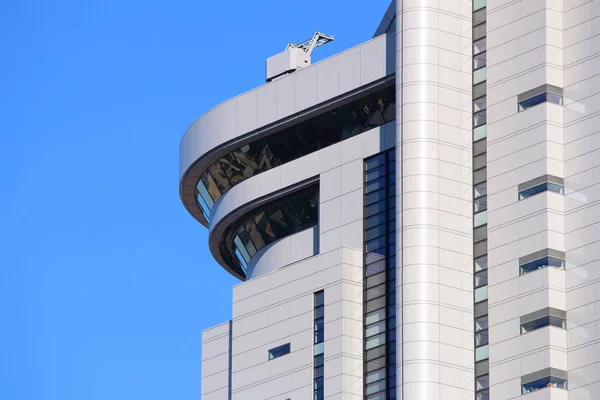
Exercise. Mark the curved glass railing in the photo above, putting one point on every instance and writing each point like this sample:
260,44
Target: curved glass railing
295,214
331,127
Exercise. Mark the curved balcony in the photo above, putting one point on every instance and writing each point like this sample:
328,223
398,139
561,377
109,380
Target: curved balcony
243,233
288,118
348,120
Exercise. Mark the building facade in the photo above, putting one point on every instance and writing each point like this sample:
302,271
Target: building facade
413,218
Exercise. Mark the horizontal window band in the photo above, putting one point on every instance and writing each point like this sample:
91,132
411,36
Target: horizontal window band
546,372
540,90
542,179
545,312
541,254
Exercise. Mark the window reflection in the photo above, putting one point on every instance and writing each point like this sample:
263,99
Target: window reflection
275,223
294,142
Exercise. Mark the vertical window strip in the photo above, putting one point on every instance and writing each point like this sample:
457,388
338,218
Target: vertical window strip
380,279
319,345
480,200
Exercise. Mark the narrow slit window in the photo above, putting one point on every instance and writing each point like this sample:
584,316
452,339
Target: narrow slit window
481,353
544,187
542,263
543,322
547,382
279,351
539,99
480,219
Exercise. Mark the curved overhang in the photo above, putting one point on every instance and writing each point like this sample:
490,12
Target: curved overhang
281,104
222,233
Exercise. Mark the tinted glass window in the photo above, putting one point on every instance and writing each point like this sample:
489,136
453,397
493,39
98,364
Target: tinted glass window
542,322
540,98
279,351
294,215
294,142
544,187
542,263
543,383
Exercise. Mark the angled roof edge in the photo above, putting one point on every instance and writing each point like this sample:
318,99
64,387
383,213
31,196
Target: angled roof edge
387,19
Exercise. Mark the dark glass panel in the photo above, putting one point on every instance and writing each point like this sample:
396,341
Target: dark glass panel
279,351
219,178
542,263
375,220
373,209
320,298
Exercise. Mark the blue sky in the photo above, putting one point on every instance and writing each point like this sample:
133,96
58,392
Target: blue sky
105,281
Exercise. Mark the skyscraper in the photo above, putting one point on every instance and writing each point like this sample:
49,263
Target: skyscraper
415,217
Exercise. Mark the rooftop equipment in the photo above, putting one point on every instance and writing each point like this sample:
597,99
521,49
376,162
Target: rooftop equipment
295,56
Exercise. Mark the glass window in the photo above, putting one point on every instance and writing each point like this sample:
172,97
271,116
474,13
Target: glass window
375,280
480,118
544,187
375,387
542,263
481,263
479,17
319,371
375,232
481,278
479,4
374,341
375,268
375,316
479,90
319,312
542,322
481,323
480,233
319,348
375,161
481,353
279,351
375,220
479,75
480,219
481,294
479,61
480,248
320,298
479,46
377,396
479,176
483,395
479,147
539,99
481,338
296,214
375,329
375,292
375,376
319,394
480,190
479,31
480,204
319,336
319,323
480,133
543,383
319,360
482,382
480,161
480,104
323,130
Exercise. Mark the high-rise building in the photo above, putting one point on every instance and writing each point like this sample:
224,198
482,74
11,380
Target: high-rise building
415,218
